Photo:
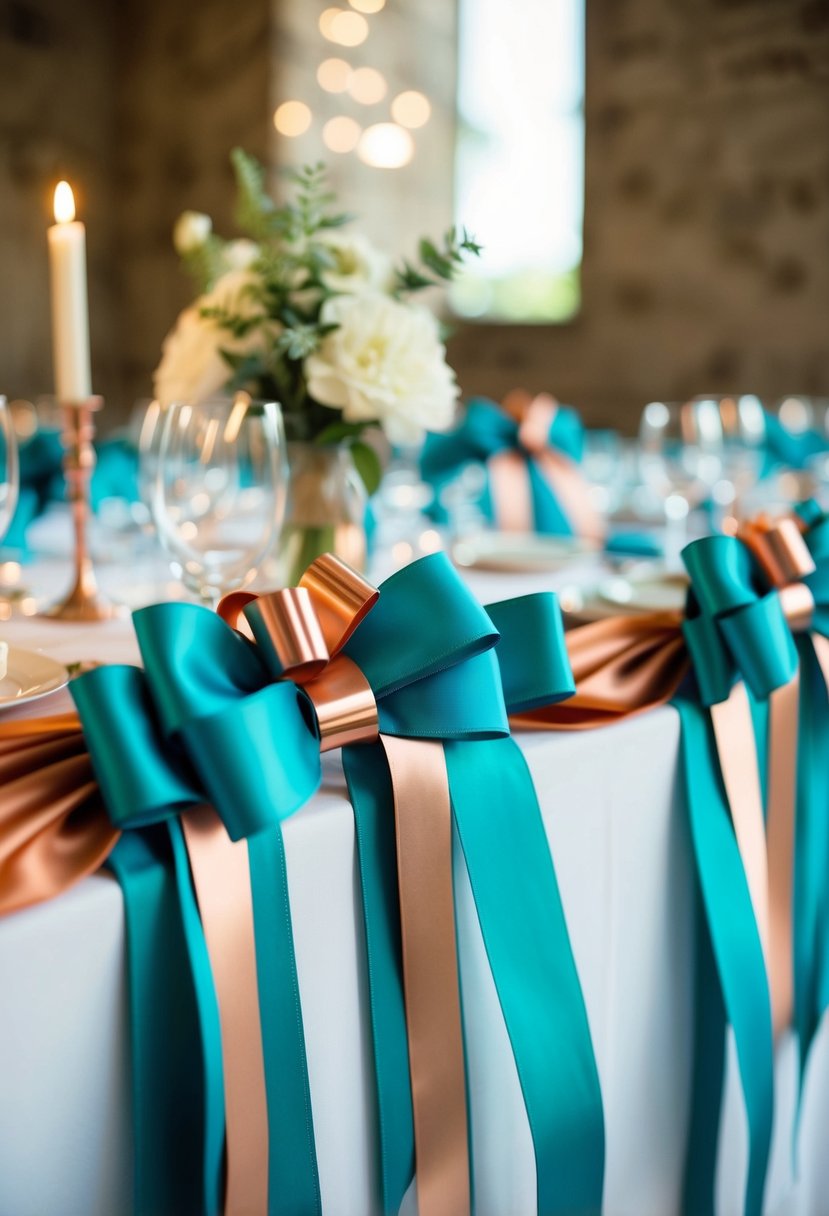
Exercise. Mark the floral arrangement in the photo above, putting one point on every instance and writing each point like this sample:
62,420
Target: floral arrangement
303,312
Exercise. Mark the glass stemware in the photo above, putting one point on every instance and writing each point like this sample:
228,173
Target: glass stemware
9,468
680,457
219,492
743,424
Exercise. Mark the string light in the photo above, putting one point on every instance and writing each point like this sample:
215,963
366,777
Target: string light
341,134
292,118
385,146
411,109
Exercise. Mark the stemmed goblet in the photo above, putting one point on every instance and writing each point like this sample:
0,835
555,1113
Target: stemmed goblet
220,489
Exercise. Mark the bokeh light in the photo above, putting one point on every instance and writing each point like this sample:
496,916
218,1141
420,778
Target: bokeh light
341,134
385,146
411,109
368,86
292,118
342,26
333,75
367,6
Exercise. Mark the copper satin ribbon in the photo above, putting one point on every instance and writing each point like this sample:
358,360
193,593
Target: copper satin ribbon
304,630
509,481
781,551
53,826
423,820
221,876
54,831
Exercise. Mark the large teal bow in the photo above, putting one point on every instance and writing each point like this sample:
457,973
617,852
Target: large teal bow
250,745
488,430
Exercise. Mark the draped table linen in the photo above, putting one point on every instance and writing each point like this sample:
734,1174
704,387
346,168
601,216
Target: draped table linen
612,809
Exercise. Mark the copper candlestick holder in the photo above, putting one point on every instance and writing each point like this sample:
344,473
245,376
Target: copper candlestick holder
85,601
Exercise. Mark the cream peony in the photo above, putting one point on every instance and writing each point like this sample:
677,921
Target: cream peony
384,363
360,266
192,368
238,255
191,230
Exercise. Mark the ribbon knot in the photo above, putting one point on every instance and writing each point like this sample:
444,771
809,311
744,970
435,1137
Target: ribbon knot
784,557
300,632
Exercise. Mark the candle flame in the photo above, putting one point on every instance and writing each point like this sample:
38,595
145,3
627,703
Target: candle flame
64,203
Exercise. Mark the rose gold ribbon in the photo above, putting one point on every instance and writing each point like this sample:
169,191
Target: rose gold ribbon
509,480
53,826
423,820
782,553
221,876
304,630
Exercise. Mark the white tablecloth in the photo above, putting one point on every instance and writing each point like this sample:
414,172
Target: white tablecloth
616,826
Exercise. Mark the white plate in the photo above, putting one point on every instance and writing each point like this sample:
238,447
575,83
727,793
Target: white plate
30,675
514,552
654,593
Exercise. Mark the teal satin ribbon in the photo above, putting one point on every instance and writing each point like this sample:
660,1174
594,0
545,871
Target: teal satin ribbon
735,629
208,701
177,1083
486,430
507,857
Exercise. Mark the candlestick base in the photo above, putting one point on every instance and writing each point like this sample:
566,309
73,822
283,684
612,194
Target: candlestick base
85,602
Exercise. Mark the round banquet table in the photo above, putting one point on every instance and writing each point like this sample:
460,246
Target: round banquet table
614,816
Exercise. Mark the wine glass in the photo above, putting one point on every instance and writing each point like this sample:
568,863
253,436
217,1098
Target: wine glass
680,459
743,424
9,468
220,489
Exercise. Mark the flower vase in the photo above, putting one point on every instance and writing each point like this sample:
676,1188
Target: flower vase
326,510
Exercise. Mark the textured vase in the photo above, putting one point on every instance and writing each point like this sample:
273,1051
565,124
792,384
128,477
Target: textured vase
326,510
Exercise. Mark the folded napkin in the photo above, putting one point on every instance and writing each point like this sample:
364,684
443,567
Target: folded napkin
634,544
42,481
789,448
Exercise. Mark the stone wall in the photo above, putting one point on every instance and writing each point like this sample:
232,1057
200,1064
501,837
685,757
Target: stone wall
57,90
706,260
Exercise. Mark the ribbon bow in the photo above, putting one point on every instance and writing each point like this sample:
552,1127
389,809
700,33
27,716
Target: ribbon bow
411,677
530,447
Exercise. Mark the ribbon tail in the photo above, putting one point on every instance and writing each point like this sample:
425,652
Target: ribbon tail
293,1186
737,952
780,834
222,880
371,795
168,1017
525,935
510,492
423,819
737,753
812,843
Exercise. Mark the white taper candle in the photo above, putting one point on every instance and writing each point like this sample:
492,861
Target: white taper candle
70,312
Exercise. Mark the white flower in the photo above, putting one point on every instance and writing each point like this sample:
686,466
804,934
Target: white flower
191,230
239,255
192,367
360,266
385,363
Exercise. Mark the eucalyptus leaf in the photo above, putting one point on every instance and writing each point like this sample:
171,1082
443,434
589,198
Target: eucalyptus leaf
367,463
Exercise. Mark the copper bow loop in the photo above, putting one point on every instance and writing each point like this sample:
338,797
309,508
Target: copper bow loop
509,482
304,629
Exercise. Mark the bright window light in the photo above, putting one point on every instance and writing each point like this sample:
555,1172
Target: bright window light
519,163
